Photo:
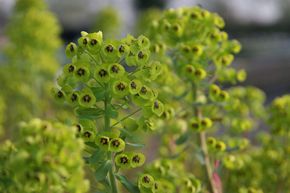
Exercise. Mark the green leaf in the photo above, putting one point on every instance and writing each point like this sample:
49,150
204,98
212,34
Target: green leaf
98,157
182,139
132,188
102,170
89,113
99,93
138,145
113,113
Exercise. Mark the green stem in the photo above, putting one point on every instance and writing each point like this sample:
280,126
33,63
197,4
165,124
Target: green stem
112,177
107,120
107,104
126,117
202,137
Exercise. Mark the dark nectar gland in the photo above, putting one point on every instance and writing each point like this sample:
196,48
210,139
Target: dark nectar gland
87,134
85,41
71,68
121,49
59,94
109,48
87,98
81,72
74,97
116,143
141,55
136,159
121,86
124,160
103,73
143,90
104,141
133,85
156,105
115,69
146,179
94,42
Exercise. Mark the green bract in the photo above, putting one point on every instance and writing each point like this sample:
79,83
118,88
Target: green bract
43,156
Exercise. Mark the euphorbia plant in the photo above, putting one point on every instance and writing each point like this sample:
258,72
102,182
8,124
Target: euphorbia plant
198,53
174,83
109,84
45,158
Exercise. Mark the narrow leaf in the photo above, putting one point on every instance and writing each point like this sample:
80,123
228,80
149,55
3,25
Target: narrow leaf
138,145
89,113
132,188
102,170
182,139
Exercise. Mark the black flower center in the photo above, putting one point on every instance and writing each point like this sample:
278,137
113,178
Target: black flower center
94,42
133,85
87,98
140,55
104,141
81,72
124,160
186,49
156,105
109,48
79,128
73,97
59,94
115,143
115,69
71,68
189,69
143,90
71,48
146,179
87,134
85,41
121,86
121,49
197,73
136,159
103,73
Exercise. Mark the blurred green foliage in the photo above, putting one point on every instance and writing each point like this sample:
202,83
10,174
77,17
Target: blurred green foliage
30,63
108,20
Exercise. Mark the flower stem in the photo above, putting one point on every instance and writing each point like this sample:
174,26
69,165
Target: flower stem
112,178
202,137
107,106
107,120
126,117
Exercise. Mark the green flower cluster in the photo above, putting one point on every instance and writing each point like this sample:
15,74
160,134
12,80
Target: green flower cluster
112,80
120,70
244,108
45,158
280,115
265,165
198,55
170,177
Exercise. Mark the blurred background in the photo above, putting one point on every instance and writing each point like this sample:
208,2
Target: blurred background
262,26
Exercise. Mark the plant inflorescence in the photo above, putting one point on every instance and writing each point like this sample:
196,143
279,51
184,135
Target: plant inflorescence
176,83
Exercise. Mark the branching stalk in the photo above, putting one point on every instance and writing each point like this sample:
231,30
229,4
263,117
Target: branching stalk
202,137
107,120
